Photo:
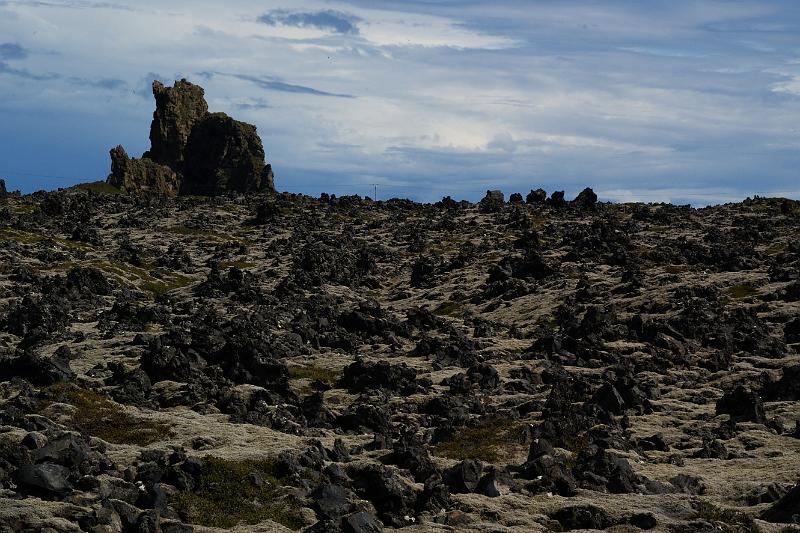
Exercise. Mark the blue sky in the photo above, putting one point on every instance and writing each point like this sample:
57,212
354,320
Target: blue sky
683,101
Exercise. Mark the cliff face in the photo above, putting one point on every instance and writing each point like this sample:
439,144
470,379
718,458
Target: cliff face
193,151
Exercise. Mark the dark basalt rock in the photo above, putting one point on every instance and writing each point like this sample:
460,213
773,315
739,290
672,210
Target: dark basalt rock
492,202
3,190
193,152
362,376
539,196
392,498
463,477
742,405
143,177
586,199
785,510
582,517
225,155
45,479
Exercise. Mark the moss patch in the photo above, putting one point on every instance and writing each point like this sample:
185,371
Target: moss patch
488,441
728,520
225,265
326,375
203,234
228,495
99,187
449,308
742,290
100,417
26,237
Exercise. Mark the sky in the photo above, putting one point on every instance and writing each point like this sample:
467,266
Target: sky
676,101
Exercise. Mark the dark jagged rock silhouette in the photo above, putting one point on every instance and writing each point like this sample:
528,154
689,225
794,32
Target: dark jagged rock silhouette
193,152
3,187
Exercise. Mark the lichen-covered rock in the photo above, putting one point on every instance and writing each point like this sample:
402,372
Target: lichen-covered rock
193,151
142,177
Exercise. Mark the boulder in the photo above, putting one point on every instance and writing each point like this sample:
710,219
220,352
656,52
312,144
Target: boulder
586,199
45,479
786,510
539,196
582,517
557,199
463,477
192,151
742,405
492,202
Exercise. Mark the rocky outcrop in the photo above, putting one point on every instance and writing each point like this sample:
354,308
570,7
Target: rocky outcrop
142,176
3,187
193,151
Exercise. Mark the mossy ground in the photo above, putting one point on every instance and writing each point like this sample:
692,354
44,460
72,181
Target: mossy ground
311,373
742,290
727,520
99,186
486,442
449,308
227,494
204,234
100,417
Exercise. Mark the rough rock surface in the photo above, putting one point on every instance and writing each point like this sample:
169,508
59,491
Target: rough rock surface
276,362
193,152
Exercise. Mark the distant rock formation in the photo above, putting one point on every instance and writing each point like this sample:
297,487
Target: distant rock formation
193,151
3,190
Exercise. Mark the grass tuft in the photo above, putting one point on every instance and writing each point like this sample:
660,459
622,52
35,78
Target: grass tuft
488,441
228,495
99,187
729,520
742,290
449,308
100,417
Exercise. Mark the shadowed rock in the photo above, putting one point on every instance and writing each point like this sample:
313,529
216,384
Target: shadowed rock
142,176
193,151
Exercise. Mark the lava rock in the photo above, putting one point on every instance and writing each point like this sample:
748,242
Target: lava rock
46,480
785,510
539,196
742,405
586,199
463,477
392,498
582,517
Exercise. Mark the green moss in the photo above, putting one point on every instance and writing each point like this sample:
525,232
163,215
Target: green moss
326,375
27,237
742,290
159,287
100,417
22,237
226,497
449,308
99,187
486,442
225,265
203,234
729,520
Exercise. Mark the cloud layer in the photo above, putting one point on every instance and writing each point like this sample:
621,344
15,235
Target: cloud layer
683,101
